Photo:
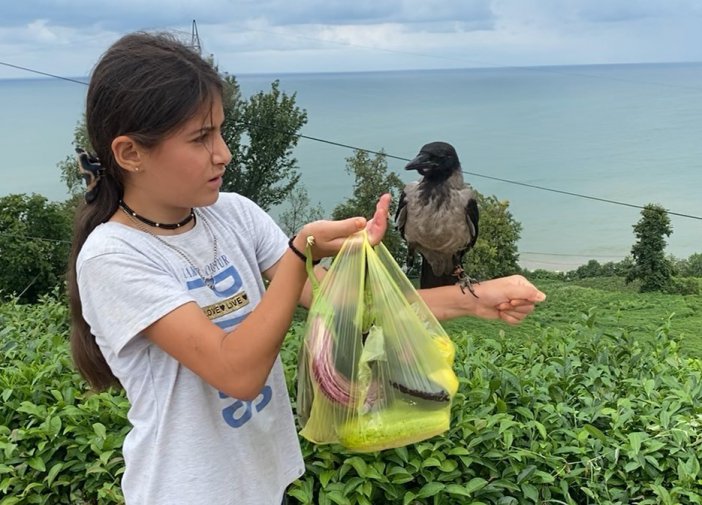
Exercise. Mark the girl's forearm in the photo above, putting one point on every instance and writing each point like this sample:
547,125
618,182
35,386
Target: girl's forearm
252,347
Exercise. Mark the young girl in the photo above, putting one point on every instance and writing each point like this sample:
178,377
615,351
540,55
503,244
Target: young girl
167,286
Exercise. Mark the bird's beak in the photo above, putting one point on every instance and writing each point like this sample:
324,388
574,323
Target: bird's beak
417,163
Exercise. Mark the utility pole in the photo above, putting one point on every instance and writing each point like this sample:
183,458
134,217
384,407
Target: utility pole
195,39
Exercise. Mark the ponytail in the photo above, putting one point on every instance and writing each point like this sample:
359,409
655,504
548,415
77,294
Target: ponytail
87,356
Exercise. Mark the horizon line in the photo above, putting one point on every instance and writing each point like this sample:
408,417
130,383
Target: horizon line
545,67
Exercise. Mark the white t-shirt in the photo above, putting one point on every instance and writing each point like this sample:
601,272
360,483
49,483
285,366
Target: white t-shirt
189,443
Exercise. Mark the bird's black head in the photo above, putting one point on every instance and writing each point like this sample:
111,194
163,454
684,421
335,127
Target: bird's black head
435,160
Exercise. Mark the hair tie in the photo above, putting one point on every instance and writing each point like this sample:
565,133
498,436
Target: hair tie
91,171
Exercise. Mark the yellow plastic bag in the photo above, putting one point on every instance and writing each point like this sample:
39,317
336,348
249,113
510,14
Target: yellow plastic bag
375,367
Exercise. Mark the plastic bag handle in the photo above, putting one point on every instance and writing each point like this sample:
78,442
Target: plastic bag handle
309,265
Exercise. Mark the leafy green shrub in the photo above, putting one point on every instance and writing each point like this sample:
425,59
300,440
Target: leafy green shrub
585,414
594,269
578,416
35,238
495,253
58,443
684,286
690,267
541,274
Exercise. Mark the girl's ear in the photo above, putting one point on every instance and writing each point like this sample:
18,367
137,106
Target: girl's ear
128,154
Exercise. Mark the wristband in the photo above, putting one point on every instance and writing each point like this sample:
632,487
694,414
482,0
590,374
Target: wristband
298,253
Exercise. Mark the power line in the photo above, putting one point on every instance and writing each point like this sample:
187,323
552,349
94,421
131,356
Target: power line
508,181
570,193
378,153
42,73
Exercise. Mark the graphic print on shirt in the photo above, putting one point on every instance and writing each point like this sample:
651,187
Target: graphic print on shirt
240,412
228,285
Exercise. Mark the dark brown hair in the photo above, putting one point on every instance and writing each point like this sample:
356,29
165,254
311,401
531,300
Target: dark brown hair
145,86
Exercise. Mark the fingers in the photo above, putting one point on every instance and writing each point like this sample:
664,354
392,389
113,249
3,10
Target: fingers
379,224
525,290
330,238
522,299
382,208
520,303
336,232
512,317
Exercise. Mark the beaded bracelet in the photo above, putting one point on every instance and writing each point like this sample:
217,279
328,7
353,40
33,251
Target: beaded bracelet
298,253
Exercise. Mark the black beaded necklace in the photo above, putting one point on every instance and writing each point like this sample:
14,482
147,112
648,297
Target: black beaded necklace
154,224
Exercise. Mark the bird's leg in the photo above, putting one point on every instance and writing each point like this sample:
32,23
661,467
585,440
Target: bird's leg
409,262
465,281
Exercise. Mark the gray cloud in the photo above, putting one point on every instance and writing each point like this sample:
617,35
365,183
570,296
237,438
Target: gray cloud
129,14
280,12
125,15
610,11
67,36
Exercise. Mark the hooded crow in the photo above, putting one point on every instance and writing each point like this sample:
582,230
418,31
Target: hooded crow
438,217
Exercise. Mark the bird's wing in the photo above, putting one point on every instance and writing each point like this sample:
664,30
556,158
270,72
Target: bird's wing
401,214
472,216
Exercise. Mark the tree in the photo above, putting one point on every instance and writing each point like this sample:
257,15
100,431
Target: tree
264,170
594,269
495,253
690,267
34,244
591,269
371,181
299,211
650,264
69,166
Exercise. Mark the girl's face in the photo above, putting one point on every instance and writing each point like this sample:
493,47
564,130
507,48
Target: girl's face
185,170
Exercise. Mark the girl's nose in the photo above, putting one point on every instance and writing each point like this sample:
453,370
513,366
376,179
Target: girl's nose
221,155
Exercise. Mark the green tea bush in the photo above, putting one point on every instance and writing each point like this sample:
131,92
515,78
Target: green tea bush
684,286
575,417
58,443
581,415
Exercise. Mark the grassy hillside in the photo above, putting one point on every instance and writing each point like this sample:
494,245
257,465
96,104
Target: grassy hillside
615,305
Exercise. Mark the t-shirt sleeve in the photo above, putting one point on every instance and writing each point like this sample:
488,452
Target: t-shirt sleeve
269,240
123,294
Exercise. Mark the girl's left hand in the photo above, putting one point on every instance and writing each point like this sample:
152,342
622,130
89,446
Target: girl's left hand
510,299
378,225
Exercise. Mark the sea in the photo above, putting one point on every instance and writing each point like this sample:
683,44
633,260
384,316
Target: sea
575,150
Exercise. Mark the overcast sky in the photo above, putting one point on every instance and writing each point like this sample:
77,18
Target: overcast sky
66,37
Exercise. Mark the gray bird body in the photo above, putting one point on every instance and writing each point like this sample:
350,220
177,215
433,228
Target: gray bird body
438,216
431,227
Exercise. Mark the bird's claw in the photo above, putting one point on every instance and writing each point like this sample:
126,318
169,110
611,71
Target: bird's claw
465,281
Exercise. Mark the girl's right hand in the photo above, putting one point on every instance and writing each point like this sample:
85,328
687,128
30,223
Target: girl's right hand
329,236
